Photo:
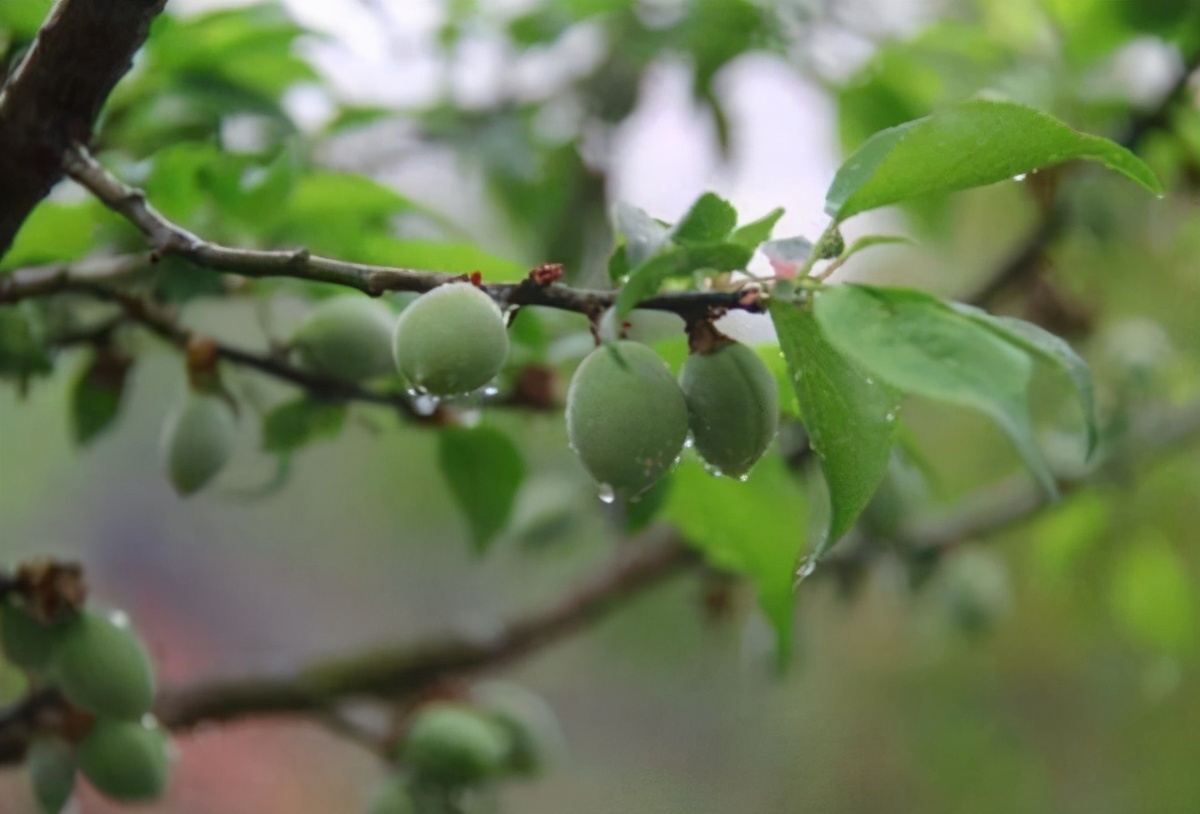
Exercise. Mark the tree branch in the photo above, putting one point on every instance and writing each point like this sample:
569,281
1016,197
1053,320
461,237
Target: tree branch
167,238
53,97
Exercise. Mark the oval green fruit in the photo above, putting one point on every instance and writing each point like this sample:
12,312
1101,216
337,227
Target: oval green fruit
198,440
51,765
626,417
393,797
27,642
733,407
452,744
346,337
534,735
101,665
125,760
451,340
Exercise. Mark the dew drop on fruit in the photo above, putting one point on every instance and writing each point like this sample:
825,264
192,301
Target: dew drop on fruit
606,493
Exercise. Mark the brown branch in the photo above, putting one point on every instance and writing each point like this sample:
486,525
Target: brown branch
167,238
52,98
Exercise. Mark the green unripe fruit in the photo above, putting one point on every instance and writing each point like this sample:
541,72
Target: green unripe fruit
393,797
454,745
532,728
626,417
733,407
451,340
198,440
51,766
346,337
101,666
27,642
125,760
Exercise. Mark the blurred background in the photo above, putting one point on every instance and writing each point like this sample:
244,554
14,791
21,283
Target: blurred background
1050,667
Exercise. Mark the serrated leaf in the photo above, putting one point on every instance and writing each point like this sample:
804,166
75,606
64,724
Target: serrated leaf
96,395
1052,349
709,220
645,280
296,424
644,236
850,417
484,470
756,528
970,144
757,232
920,345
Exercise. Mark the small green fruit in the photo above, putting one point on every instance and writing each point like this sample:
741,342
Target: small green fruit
733,407
393,797
533,732
347,338
451,340
101,666
51,766
27,642
454,745
126,760
198,440
626,417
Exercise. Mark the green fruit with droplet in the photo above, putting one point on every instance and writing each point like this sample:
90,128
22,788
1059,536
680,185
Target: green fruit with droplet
198,440
534,736
125,760
51,766
102,666
733,407
452,744
451,340
626,417
27,642
347,338
393,797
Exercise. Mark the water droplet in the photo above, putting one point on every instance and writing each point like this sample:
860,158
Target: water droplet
491,391
688,442
470,418
890,417
870,380
119,618
423,403
744,477
805,570
1020,177
714,471
606,494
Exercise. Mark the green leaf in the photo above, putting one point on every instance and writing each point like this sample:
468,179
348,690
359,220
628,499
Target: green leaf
484,470
1152,596
870,241
969,144
709,220
645,280
96,395
850,418
297,423
23,352
53,232
757,232
756,528
1052,349
920,345
433,255
644,236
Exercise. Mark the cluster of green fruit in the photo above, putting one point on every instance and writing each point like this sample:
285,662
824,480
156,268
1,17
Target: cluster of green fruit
98,664
627,417
452,747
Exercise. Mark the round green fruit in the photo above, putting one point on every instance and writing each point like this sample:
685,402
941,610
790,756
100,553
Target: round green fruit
453,745
733,407
347,338
534,735
125,760
27,642
451,340
102,666
51,765
198,440
393,797
626,417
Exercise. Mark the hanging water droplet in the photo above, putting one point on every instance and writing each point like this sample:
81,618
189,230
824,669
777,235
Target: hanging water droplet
606,493
805,570
491,391
423,403
1020,177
